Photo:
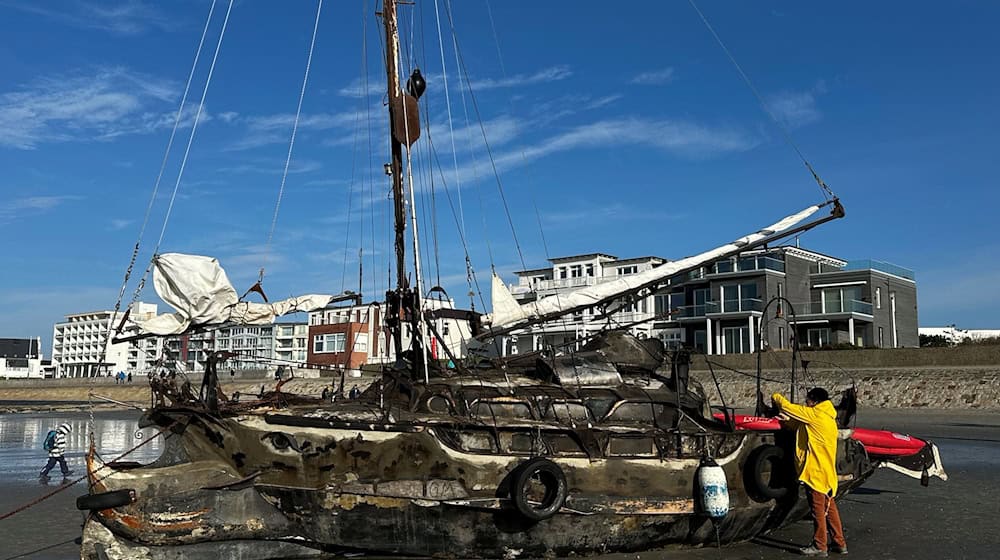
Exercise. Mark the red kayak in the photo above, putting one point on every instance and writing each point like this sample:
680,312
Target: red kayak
876,442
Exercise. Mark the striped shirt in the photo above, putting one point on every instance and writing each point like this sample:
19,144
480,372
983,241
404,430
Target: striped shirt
60,444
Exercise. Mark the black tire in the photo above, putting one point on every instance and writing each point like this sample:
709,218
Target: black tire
527,477
105,500
768,476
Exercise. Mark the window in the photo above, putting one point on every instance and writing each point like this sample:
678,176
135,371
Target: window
562,272
878,299
361,342
590,270
818,337
740,297
444,329
327,343
576,271
736,340
881,340
623,270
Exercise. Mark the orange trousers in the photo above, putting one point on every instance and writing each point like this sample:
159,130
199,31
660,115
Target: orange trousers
824,512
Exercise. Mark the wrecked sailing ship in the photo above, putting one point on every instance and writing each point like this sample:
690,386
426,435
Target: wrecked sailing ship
603,448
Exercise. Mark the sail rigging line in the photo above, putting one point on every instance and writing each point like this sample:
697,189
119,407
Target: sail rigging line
152,198
194,128
827,192
350,201
489,150
451,127
291,143
187,151
166,156
510,100
471,277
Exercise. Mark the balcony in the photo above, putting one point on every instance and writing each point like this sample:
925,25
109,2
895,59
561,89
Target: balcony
746,264
888,268
744,305
816,307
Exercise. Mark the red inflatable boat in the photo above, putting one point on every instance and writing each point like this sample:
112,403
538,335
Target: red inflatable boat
878,443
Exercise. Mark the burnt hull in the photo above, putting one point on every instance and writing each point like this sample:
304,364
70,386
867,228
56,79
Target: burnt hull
256,487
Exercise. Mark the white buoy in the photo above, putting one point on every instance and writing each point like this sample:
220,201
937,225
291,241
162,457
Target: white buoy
713,490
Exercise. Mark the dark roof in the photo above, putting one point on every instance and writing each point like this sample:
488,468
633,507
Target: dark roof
640,259
18,347
579,257
532,271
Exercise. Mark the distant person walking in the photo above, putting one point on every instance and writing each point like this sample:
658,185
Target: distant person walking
815,459
130,377
55,444
354,393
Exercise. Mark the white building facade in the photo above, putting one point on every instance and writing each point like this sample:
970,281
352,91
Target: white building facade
81,348
570,273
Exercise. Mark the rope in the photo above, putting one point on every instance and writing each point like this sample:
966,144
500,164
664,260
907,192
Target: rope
827,193
152,200
291,142
451,128
482,128
194,129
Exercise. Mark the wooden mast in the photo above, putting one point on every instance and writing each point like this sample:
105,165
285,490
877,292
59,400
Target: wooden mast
394,299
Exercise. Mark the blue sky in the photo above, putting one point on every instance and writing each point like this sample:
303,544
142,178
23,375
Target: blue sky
625,126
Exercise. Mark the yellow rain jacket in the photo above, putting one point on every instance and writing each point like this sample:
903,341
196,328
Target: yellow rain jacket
815,443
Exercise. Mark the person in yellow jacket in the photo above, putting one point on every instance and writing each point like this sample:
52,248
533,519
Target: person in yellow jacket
815,459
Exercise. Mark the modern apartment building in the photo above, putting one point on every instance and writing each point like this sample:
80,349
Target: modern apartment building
764,298
80,345
21,358
768,298
569,273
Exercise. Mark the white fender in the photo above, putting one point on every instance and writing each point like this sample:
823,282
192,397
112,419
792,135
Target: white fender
712,488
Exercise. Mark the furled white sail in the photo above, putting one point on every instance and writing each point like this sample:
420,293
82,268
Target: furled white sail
505,315
198,288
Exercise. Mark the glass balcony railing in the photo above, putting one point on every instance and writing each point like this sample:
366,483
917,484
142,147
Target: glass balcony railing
741,305
817,308
888,268
746,264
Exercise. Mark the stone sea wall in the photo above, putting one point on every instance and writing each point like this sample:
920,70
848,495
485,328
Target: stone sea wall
955,377
930,387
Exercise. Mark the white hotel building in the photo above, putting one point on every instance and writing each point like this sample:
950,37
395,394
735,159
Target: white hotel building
80,346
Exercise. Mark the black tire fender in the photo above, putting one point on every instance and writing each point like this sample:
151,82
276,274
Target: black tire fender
538,470
105,500
761,486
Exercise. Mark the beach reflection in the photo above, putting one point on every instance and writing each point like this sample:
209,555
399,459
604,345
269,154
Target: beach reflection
22,435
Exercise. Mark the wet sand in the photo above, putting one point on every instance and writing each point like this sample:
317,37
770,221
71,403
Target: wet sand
890,517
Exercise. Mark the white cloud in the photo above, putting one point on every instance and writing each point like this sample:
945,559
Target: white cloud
111,102
127,18
654,77
356,88
275,167
795,109
551,74
680,138
15,208
118,224
264,130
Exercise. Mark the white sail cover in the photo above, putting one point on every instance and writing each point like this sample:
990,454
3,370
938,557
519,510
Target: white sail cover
506,311
198,288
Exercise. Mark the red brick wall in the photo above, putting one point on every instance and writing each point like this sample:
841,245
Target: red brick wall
349,359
